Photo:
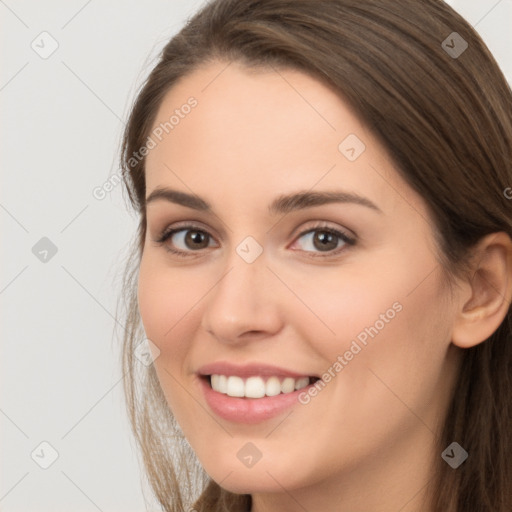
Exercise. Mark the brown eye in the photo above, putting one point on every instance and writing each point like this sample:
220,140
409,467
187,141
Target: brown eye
324,240
185,240
195,239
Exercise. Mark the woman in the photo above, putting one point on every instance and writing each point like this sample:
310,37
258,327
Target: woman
323,268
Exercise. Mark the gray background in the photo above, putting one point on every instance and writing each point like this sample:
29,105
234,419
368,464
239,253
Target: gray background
62,122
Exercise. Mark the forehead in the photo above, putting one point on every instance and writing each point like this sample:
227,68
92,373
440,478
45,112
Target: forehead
267,132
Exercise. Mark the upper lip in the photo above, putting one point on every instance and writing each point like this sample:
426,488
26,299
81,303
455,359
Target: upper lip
249,370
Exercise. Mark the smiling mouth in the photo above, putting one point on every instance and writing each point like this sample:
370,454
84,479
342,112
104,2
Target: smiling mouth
256,386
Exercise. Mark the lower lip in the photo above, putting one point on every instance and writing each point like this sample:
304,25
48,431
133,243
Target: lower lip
248,410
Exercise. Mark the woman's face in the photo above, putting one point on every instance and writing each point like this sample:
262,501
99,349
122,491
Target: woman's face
274,290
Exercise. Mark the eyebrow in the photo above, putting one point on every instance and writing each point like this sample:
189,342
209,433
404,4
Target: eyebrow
281,205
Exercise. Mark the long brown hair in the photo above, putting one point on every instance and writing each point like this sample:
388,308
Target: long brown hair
445,118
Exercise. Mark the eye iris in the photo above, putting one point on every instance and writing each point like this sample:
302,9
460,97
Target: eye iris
324,238
196,237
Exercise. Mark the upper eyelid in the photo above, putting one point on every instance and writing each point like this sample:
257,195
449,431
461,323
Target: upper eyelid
318,224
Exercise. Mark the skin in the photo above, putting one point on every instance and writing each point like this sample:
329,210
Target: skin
366,441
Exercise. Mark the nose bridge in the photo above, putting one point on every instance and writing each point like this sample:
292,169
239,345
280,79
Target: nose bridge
240,301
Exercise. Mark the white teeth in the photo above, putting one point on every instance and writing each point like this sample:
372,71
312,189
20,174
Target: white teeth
288,385
235,386
272,387
301,383
223,384
256,387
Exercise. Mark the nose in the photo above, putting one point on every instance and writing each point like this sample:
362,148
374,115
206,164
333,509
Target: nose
243,304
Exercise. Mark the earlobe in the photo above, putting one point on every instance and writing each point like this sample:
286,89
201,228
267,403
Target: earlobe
480,315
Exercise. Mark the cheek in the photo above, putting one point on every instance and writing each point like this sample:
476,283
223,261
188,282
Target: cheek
398,322
166,304
338,306
166,300
403,331
155,300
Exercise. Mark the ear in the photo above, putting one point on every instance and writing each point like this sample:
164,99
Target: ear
489,292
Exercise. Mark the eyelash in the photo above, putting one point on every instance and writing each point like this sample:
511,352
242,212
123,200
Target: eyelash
167,233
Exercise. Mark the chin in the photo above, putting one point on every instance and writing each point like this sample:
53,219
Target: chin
247,482
265,476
